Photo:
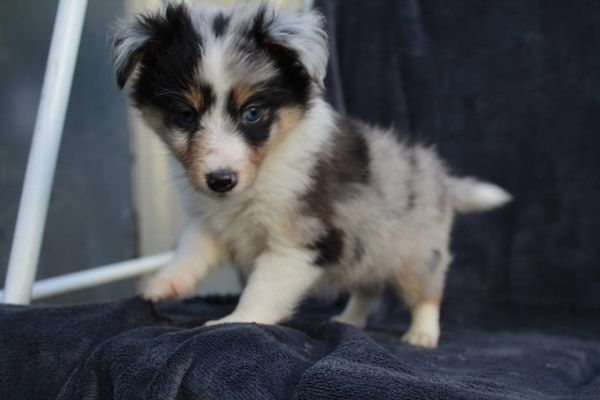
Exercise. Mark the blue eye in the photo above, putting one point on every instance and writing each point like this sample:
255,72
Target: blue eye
252,114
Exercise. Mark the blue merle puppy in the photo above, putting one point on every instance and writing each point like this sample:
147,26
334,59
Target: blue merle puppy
302,199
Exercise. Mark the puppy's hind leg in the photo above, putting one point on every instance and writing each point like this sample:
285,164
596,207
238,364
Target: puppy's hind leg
425,325
360,304
421,285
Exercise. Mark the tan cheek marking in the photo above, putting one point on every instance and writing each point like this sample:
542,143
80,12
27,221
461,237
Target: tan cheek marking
193,159
189,156
155,121
248,172
287,119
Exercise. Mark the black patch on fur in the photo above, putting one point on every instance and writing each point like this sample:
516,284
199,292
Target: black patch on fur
351,155
293,77
329,247
434,260
168,63
411,195
336,174
334,178
220,24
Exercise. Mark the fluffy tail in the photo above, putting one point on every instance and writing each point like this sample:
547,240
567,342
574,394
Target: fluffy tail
472,195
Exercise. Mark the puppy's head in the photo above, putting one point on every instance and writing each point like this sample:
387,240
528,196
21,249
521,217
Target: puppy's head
221,87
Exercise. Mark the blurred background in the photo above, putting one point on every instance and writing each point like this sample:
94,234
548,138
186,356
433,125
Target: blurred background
112,197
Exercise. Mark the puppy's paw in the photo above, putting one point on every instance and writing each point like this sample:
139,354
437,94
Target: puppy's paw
220,321
238,319
167,286
350,320
422,338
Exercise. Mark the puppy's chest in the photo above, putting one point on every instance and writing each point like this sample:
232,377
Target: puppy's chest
241,230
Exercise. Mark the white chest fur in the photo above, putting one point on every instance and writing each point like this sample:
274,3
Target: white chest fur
239,228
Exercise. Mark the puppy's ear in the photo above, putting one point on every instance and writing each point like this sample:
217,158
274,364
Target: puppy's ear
301,33
130,40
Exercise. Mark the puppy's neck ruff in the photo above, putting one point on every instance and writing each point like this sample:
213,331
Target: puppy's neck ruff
286,170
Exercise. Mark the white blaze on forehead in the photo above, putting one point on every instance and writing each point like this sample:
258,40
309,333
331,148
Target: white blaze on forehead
224,65
213,70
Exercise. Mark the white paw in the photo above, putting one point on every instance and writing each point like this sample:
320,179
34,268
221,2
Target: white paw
350,320
217,322
238,319
168,286
422,338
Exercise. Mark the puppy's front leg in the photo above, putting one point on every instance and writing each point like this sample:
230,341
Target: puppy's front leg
197,252
279,281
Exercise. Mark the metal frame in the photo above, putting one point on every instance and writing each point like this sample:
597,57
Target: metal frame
97,276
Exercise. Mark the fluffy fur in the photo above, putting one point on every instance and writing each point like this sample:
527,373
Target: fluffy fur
313,201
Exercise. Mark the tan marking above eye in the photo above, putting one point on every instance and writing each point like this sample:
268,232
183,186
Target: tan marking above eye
241,94
194,97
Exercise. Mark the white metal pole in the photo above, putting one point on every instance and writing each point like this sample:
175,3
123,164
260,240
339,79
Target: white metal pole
45,144
98,276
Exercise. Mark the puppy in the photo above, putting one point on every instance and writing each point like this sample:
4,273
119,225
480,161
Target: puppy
302,199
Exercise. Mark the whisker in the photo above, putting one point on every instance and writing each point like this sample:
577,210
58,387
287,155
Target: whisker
169,93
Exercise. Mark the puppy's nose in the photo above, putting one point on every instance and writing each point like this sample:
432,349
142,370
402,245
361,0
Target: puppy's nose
221,181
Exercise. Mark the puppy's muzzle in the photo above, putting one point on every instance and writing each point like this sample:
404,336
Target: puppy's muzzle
221,181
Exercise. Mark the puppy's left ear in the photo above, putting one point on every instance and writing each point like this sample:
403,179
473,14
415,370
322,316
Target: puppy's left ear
302,33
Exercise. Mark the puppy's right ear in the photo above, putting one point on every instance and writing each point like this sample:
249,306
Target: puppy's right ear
128,41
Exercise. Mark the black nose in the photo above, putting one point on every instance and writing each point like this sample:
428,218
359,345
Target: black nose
221,181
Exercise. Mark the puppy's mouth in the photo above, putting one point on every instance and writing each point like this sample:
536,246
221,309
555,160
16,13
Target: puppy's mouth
203,190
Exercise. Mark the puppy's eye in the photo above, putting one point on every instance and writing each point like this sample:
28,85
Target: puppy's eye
185,116
252,114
